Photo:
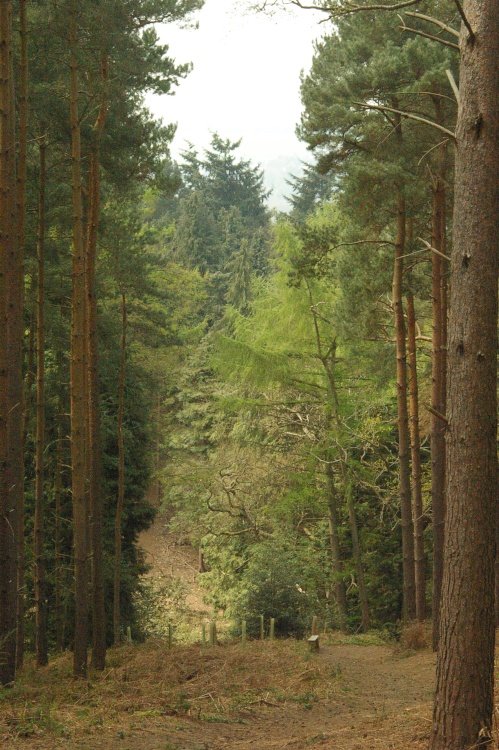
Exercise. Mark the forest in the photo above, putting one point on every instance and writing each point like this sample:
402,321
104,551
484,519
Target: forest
306,400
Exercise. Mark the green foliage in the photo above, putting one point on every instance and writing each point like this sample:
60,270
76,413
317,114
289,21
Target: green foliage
281,579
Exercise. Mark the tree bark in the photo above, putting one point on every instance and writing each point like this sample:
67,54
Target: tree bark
357,557
417,497
58,568
121,477
39,552
77,377
438,408
21,217
463,710
94,421
409,590
334,545
11,382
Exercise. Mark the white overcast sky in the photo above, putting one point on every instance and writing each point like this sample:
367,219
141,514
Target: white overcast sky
245,82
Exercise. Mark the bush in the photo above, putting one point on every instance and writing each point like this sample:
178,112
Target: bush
278,581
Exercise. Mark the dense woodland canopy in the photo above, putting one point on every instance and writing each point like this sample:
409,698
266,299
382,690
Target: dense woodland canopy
309,396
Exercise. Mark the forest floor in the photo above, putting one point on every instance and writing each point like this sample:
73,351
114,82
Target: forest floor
355,693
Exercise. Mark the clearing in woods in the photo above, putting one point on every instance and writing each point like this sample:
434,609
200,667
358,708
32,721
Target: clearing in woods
263,696
355,693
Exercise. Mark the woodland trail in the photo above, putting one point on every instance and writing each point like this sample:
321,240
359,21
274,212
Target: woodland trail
168,558
384,697
355,694
384,701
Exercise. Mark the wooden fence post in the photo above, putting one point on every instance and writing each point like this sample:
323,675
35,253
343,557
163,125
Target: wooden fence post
213,634
243,631
262,628
272,628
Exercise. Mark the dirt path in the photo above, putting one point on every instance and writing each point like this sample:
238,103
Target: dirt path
383,699
169,558
380,701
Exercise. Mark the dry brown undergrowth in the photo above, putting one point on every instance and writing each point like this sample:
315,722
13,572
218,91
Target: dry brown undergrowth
151,681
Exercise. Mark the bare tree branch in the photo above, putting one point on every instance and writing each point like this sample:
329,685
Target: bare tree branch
453,84
426,153
433,249
435,21
465,20
346,8
433,38
408,115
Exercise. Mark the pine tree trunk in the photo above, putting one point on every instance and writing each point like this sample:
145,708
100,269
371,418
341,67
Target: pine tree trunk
417,497
39,553
21,564
438,409
21,214
5,672
94,422
463,712
77,377
11,384
158,453
121,477
58,568
409,589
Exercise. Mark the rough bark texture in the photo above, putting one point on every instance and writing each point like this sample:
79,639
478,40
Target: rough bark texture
5,677
21,232
121,477
77,377
409,590
463,712
11,384
437,405
417,496
39,582
94,421
58,562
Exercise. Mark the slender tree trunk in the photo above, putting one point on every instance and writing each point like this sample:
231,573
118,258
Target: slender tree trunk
6,673
39,552
21,214
21,566
357,556
94,422
463,710
409,589
158,452
121,476
417,496
328,361
58,569
334,545
77,378
438,409
11,383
